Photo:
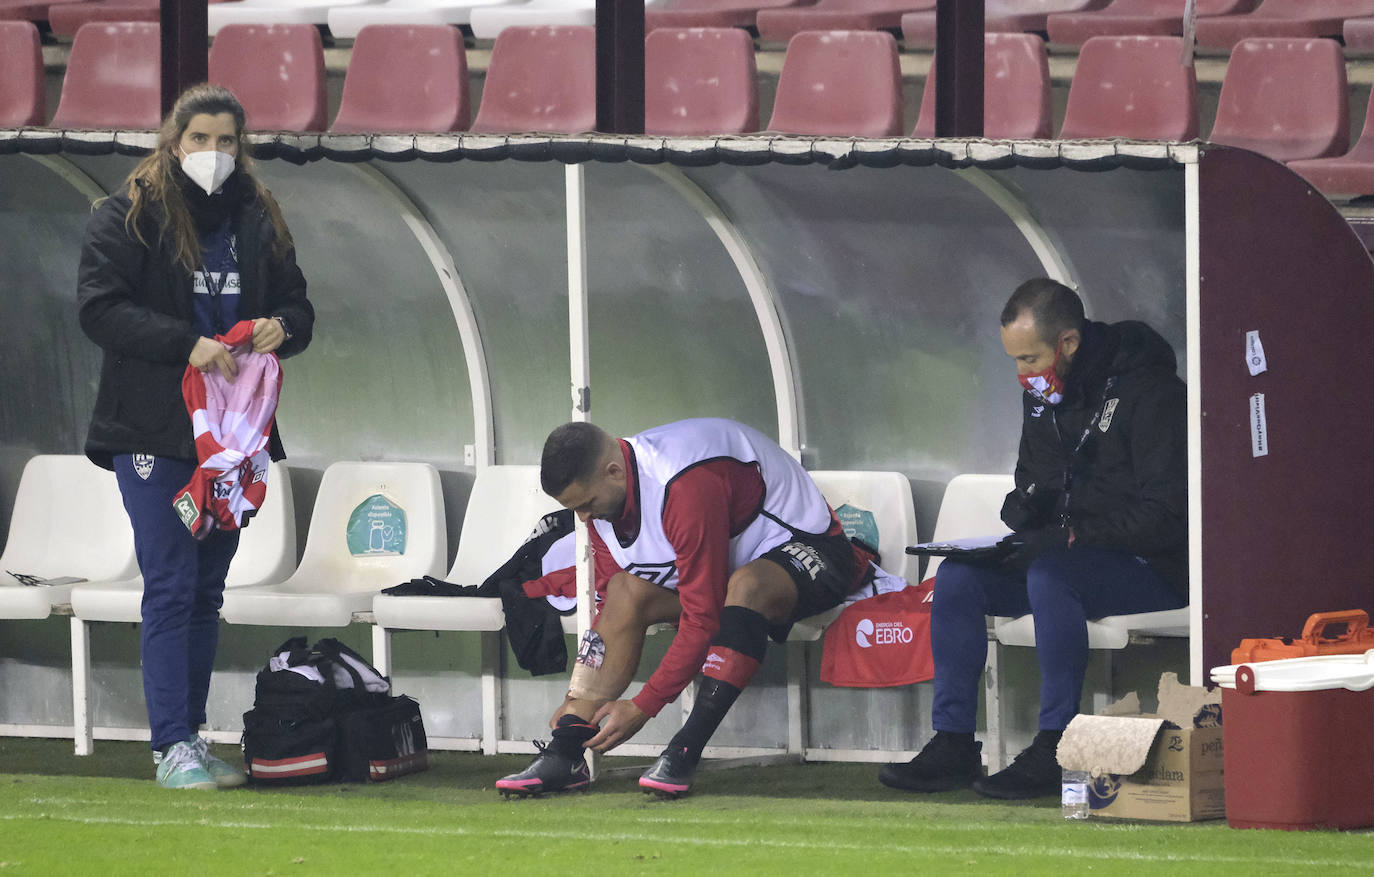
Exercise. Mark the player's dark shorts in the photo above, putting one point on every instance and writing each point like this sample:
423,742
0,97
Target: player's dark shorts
822,568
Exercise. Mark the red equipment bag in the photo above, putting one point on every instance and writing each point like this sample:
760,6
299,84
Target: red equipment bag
1326,633
881,641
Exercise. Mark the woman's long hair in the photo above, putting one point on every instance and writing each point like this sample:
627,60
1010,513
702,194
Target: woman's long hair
152,182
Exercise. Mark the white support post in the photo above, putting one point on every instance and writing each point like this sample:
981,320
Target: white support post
797,694
580,373
81,693
1197,674
992,708
491,690
381,649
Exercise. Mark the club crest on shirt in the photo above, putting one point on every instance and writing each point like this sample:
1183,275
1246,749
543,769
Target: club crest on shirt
143,465
1107,413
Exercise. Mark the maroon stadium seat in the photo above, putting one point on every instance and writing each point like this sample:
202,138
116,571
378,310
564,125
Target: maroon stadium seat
276,71
1000,16
1349,174
1284,98
709,13
1282,18
700,80
1133,87
65,19
405,78
1135,18
1016,90
540,79
839,83
1359,33
782,24
22,92
28,10
114,78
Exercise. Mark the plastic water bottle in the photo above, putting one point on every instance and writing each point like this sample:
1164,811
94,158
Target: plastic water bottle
1074,798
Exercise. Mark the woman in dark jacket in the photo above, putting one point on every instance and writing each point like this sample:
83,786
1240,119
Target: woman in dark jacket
193,245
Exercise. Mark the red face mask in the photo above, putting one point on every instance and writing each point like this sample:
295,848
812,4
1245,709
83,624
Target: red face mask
1045,385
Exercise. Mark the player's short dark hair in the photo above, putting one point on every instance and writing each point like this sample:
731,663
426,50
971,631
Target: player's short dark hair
571,453
1053,306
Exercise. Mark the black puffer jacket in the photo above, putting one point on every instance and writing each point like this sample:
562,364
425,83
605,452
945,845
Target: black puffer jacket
135,301
1128,478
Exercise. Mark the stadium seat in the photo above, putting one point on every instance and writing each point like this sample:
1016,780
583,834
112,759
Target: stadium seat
1016,90
1359,33
699,81
1000,16
1132,87
839,83
1285,99
1349,174
315,12
346,22
22,89
1135,18
972,508
35,11
505,504
540,79
65,19
349,553
781,24
488,21
1281,18
266,555
276,71
68,521
113,79
709,13
405,78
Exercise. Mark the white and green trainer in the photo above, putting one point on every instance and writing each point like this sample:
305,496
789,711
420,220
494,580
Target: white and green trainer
225,775
180,768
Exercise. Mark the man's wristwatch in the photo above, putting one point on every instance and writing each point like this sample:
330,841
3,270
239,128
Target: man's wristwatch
286,330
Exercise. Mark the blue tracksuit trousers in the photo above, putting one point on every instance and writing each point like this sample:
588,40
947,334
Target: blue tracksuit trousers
1063,588
183,588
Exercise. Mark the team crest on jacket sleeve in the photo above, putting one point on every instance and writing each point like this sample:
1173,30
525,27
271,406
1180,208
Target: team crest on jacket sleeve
143,465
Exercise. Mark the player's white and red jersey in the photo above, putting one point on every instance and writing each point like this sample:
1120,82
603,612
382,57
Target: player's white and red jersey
703,498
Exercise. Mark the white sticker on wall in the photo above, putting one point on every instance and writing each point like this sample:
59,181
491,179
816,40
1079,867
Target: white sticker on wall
1254,353
1259,429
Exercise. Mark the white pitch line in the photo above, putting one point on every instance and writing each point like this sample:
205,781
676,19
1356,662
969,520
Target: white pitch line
1001,850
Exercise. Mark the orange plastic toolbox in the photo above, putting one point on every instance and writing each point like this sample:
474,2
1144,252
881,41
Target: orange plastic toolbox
1326,633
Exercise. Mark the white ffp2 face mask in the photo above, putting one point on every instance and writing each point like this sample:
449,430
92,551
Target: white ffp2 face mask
208,168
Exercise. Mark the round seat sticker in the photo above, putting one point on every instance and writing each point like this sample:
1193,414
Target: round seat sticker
377,528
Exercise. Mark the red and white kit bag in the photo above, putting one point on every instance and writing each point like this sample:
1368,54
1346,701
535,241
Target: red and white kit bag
883,640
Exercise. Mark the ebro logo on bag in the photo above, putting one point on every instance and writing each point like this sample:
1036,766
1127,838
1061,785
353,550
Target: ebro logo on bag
868,634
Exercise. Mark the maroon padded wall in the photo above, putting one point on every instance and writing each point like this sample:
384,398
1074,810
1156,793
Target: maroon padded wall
1290,533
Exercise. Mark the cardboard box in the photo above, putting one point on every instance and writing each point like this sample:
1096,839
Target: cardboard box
1166,766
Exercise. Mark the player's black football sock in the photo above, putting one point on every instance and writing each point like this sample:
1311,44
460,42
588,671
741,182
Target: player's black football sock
570,734
735,654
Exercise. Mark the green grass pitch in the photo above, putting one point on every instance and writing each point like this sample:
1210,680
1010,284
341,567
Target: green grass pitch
103,815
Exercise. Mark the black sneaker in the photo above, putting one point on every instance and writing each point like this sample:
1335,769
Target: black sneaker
551,771
948,761
671,775
1034,773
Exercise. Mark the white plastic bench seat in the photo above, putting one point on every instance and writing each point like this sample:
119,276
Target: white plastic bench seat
68,520
1112,632
488,21
505,504
275,12
266,555
331,584
346,21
